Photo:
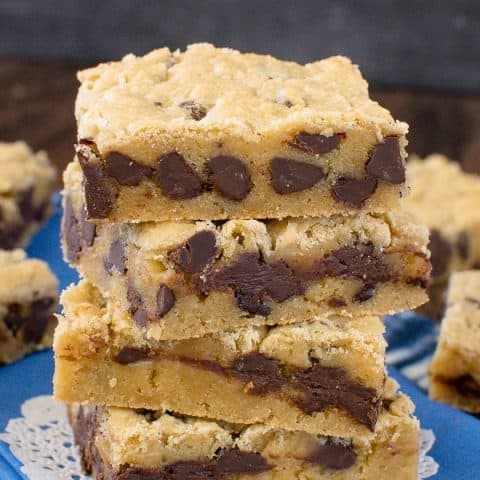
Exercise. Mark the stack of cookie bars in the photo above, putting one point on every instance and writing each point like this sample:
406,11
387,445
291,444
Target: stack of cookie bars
234,218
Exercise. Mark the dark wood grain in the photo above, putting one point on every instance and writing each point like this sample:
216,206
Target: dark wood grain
36,104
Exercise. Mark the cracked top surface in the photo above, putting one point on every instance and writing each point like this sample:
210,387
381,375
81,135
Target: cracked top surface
219,91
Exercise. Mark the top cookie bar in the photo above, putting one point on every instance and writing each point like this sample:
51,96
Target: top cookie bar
212,133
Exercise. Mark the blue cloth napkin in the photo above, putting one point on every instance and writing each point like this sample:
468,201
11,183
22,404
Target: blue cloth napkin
411,343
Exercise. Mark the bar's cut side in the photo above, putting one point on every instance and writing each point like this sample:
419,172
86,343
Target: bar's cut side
28,301
122,444
184,279
455,369
27,183
272,138
325,376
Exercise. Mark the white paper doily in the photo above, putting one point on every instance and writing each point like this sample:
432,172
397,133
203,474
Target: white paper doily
42,441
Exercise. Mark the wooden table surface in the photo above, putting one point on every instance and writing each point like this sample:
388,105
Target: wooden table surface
36,105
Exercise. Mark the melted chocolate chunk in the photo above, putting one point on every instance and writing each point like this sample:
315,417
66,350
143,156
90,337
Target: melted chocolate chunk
196,253
316,143
386,163
137,309
99,193
89,229
197,111
354,192
165,301
252,280
71,232
467,386
440,251
11,234
176,178
116,258
84,429
131,355
263,373
35,328
125,170
364,294
290,176
230,176
333,454
25,204
463,245
357,261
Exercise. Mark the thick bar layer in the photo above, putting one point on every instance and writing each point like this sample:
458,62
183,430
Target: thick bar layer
122,444
27,181
455,369
184,279
28,300
324,377
212,134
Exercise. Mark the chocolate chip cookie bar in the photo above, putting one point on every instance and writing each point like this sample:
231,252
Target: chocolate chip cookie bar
211,133
28,301
185,279
27,181
455,369
324,377
122,444
446,199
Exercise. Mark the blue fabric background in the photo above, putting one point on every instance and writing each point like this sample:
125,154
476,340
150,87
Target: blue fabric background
411,342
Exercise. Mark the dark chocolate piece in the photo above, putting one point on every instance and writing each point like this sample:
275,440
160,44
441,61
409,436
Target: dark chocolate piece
99,193
71,232
386,163
466,385
25,204
463,245
165,301
252,280
358,261
176,177
116,258
125,170
289,176
337,302
315,143
131,355
440,253
364,294
354,192
230,176
196,253
197,111
333,454
84,428
137,309
89,229
35,328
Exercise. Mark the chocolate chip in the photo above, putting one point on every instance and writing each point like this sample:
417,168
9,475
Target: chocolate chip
197,111
99,193
41,305
289,176
116,258
125,170
354,192
176,178
131,355
230,176
165,301
359,261
467,386
25,204
35,328
252,280
71,232
232,461
316,143
333,454
137,309
463,245
15,318
386,163
196,253
364,294
440,253
89,229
